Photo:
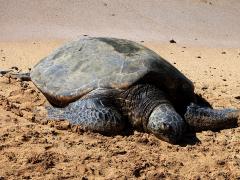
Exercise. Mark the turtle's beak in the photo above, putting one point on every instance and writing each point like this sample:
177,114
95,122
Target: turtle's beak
166,133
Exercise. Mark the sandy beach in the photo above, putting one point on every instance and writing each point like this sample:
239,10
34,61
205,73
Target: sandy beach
207,51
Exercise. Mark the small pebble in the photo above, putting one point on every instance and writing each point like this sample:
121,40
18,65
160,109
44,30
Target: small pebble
14,67
172,41
204,87
220,162
237,97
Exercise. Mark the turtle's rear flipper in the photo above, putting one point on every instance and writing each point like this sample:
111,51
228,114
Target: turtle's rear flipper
96,114
21,76
3,72
204,118
18,75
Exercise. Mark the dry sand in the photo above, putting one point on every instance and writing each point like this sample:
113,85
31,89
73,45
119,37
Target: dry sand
33,148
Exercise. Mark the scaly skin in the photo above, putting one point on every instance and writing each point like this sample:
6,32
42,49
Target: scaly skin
200,118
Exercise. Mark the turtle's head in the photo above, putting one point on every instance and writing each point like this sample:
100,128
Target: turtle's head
165,123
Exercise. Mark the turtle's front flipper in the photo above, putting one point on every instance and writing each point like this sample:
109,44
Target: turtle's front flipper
203,118
97,113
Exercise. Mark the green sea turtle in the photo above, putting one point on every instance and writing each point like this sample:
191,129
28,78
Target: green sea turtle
106,84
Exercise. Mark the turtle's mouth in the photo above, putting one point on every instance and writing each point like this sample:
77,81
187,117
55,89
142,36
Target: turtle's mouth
167,133
170,138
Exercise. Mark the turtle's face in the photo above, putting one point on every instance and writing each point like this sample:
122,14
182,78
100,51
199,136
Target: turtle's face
166,133
166,124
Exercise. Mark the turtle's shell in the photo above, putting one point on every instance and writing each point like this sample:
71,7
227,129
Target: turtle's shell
79,67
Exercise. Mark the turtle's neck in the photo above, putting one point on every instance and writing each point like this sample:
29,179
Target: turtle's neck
138,102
